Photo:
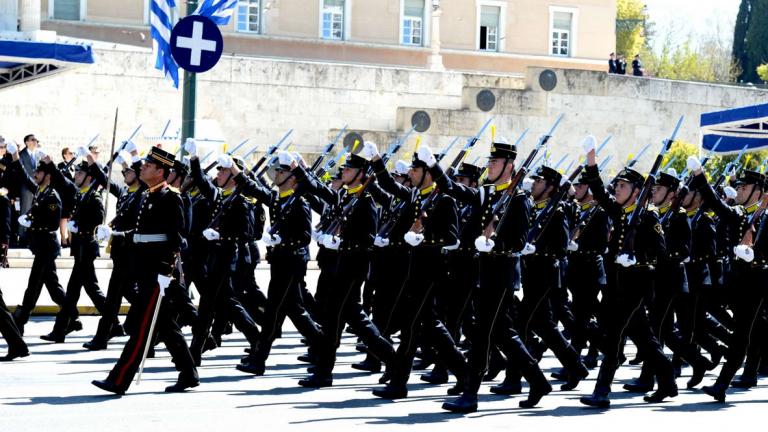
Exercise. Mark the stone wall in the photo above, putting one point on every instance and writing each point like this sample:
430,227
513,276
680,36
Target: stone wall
260,99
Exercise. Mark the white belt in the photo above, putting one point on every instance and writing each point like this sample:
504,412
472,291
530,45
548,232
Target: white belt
123,233
149,238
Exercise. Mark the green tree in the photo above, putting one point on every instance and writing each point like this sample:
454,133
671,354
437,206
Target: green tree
740,36
762,71
749,46
751,161
631,27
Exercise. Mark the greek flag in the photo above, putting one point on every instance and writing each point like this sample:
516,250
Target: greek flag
219,11
161,23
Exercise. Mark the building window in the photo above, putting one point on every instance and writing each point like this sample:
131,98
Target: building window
333,19
413,22
66,10
249,16
489,28
561,31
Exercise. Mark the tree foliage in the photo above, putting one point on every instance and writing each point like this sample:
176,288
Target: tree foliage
631,27
750,49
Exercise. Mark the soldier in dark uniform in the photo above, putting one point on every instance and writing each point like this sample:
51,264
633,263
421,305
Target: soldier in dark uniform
88,214
629,284
121,281
585,275
350,240
156,242
228,225
287,241
499,276
42,222
748,267
669,297
541,275
434,225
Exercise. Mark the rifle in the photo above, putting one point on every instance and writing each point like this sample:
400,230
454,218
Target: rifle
269,154
628,247
327,150
230,152
720,180
500,209
680,196
109,170
467,148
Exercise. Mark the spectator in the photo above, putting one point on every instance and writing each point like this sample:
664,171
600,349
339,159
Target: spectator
613,64
637,67
28,158
621,65
65,166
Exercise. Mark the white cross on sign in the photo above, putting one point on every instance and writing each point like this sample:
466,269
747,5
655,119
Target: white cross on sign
196,43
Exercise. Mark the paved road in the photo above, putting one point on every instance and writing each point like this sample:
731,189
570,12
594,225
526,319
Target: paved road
51,390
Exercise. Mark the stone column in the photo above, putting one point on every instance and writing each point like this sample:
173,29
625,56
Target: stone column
29,15
435,60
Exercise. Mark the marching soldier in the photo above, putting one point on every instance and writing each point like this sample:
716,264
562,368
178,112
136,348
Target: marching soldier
349,242
42,222
748,265
87,215
499,276
287,241
156,242
629,284
434,225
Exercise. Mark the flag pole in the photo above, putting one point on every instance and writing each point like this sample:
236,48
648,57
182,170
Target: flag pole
189,96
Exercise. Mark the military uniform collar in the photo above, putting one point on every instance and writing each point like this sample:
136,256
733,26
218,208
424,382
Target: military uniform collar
227,192
501,187
427,190
133,188
751,209
84,189
630,208
157,187
587,205
692,213
287,193
354,190
541,204
665,208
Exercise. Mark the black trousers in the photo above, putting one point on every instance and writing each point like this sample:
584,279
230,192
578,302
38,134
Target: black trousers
749,295
498,277
8,329
419,319
540,283
284,299
218,299
43,272
586,279
390,267
83,277
121,284
625,315
341,305
166,330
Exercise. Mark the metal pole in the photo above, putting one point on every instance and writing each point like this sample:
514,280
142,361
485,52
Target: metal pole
188,96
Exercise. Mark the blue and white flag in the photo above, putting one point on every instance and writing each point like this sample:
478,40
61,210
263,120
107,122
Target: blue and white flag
162,19
219,11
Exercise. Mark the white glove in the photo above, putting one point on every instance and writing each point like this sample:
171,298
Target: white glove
483,244
744,253
369,150
588,143
453,247
402,167
316,235
625,260
225,161
163,282
102,233
693,164
527,184
211,234
730,192
24,221
331,242
81,152
380,242
130,146
190,146
72,226
528,249
12,147
573,246
687,260
299,159
285,158
124,157
425,155
271,240
413,238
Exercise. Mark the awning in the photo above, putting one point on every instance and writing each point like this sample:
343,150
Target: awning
738,127
24,60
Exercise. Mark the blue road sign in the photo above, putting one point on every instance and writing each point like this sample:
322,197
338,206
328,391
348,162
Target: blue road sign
196,43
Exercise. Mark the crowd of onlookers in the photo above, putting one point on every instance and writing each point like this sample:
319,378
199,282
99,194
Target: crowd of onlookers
617,64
